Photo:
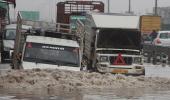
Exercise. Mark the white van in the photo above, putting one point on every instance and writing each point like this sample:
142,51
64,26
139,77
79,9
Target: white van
8,40
53,53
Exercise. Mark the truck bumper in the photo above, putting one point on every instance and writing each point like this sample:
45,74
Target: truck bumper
127,70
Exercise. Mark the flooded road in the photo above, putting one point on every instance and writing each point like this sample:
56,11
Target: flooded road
93,95
151,70
122,93
157,71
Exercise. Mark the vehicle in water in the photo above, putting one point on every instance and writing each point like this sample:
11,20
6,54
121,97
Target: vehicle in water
8,39
111,45
47,52
50,50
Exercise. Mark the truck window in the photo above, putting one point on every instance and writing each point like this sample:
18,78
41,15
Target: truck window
10,34
52,54
119,39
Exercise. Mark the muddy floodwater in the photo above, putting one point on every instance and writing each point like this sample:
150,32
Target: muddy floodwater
68,85
117,94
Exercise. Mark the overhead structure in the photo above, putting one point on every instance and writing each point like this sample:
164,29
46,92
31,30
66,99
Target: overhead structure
129,6
156,7
11,1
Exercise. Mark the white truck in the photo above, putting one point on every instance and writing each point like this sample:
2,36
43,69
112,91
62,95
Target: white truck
111,43
52,50
47,52
8,39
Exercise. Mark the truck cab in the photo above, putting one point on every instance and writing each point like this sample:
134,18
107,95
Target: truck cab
8,40
119,51
50,53
112,45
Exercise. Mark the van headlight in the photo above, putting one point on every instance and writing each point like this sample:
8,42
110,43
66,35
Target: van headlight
137,60
103,59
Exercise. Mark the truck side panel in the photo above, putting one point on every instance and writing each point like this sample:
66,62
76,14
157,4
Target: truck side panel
150,23
86,35
68,8
90,36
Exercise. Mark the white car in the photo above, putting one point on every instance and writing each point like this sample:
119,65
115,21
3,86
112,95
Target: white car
162,39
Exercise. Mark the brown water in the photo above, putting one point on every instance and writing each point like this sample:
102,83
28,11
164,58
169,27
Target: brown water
70,84
94,94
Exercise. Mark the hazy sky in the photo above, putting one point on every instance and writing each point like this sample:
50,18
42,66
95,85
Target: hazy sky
47,8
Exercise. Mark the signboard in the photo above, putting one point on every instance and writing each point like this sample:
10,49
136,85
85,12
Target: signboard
30,15
73,20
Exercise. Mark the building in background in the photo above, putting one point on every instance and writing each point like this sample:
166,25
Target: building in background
164,12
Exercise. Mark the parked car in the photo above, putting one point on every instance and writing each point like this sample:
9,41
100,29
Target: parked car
146,39
162,39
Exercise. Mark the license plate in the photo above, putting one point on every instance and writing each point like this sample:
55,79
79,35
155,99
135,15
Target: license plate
120,71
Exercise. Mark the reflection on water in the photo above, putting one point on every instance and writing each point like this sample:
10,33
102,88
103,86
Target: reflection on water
118,94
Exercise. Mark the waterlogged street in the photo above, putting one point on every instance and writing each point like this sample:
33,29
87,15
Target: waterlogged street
111,95
157,71
87,86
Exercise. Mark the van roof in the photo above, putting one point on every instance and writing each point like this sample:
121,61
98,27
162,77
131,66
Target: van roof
52,41
14,26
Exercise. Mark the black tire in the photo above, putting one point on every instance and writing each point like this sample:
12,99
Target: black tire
95,69
89,65
143,72
2,58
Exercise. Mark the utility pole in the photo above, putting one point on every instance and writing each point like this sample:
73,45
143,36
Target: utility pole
108,6
156,7
129,6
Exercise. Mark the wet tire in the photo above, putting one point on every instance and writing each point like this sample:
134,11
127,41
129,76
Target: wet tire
2,58
143,73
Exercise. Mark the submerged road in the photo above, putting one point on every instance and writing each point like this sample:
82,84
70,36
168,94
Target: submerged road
151,70
157,71
120,94
5,66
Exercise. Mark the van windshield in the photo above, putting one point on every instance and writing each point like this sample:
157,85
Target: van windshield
52,54
10,34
